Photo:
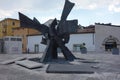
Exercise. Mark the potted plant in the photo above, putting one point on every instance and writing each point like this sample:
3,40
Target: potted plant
83,49
115,50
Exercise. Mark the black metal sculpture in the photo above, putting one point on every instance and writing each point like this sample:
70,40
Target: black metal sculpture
56,35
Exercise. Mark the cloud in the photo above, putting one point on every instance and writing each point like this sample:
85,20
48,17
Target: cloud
114,6
85,4
4,13
15,4
8,8
45,5
92,6
111,5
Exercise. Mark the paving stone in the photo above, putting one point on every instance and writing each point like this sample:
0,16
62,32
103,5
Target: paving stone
68,68
29,64
79,61
13,60
88,61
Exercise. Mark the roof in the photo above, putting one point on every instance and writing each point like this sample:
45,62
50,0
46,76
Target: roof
86,30
34,34
8,19
108,24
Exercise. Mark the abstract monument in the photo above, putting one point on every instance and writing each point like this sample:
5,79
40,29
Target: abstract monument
54,36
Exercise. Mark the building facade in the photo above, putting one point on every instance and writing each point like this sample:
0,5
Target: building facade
12,44
7,25
11,27
106,35
34,42
23,32
86,36
101,38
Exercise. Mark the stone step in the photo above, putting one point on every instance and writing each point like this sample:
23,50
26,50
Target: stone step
68,68
29,64
12,60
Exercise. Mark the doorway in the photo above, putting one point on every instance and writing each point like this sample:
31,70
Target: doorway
36,48
110,45
110,42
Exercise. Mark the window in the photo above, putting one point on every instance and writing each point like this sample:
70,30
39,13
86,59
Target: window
6,39
22,46
36,48
13,39
19,39
13,23
76,47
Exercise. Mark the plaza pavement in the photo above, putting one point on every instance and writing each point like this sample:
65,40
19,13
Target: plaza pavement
110,65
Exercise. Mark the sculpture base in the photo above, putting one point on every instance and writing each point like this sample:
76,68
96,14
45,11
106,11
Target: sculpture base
69,68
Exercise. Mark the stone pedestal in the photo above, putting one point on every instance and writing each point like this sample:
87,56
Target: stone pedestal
115,51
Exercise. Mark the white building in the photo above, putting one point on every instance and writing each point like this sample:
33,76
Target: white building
77,39
34,44
102,39
12,44
105,37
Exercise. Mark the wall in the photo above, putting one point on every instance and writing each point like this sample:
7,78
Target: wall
74,39
87,38
23,32
32,40
7,25
103,31
12,44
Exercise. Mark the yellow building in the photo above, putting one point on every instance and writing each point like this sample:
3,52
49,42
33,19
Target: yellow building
23,32
7,25
11,27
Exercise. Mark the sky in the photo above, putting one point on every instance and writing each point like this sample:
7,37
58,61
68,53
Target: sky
87,12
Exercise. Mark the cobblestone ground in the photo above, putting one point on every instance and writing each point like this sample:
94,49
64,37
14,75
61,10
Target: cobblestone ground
109,63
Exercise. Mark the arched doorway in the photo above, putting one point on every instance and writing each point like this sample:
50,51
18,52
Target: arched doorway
110,42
